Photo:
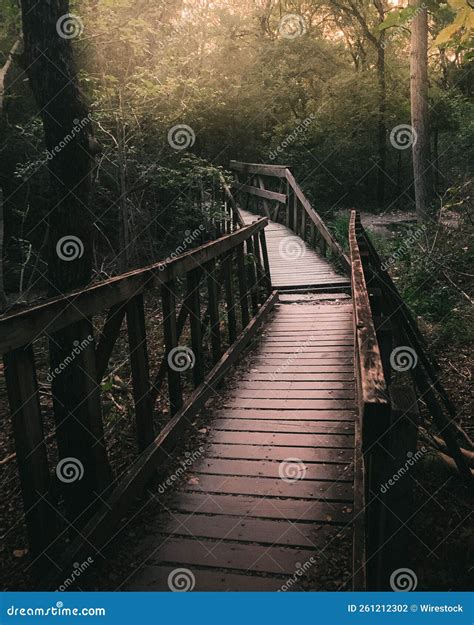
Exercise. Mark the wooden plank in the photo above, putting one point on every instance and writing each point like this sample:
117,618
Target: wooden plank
300,378
246,530
293,394
140,371
259,468
292,404
256,168
282,560
281,425
31,455
258,507
22,327
338,441
267,487
263,193
272,385
268,452
299,415
156,578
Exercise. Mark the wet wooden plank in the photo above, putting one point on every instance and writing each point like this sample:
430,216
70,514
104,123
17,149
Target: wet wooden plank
289,440
160,578
234,556
287,427
334,512
275,452
291,404
298,415
247,529
259,468
267,487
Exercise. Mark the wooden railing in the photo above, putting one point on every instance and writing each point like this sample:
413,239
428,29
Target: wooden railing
388,398
287,204
232,273
372,424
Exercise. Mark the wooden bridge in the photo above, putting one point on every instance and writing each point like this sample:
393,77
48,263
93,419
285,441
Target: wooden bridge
300,438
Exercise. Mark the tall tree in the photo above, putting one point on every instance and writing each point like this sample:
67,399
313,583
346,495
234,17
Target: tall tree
422,170
48,31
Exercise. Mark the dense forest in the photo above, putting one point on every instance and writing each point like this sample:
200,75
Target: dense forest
119,118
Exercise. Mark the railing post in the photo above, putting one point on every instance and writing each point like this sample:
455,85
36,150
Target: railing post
243,290
140,371
171,342
266,262
230,298
214,321
31,456
194,307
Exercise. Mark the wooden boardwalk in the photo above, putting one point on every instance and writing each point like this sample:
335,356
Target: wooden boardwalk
274,487
293,263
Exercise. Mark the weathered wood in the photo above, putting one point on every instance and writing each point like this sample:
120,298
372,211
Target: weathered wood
266,263
252,280
140,371
194,307
259,192
243,290
230,297
31,456
175,392
316,219
22,327
214,320
253,168
108,338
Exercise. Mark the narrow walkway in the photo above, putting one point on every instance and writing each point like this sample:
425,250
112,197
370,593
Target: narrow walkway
292,262
275,485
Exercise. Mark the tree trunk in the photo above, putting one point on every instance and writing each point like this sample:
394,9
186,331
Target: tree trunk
422,172
381,124
48,59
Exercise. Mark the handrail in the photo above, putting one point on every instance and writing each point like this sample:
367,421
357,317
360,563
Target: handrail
370,375
19,328
294,198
